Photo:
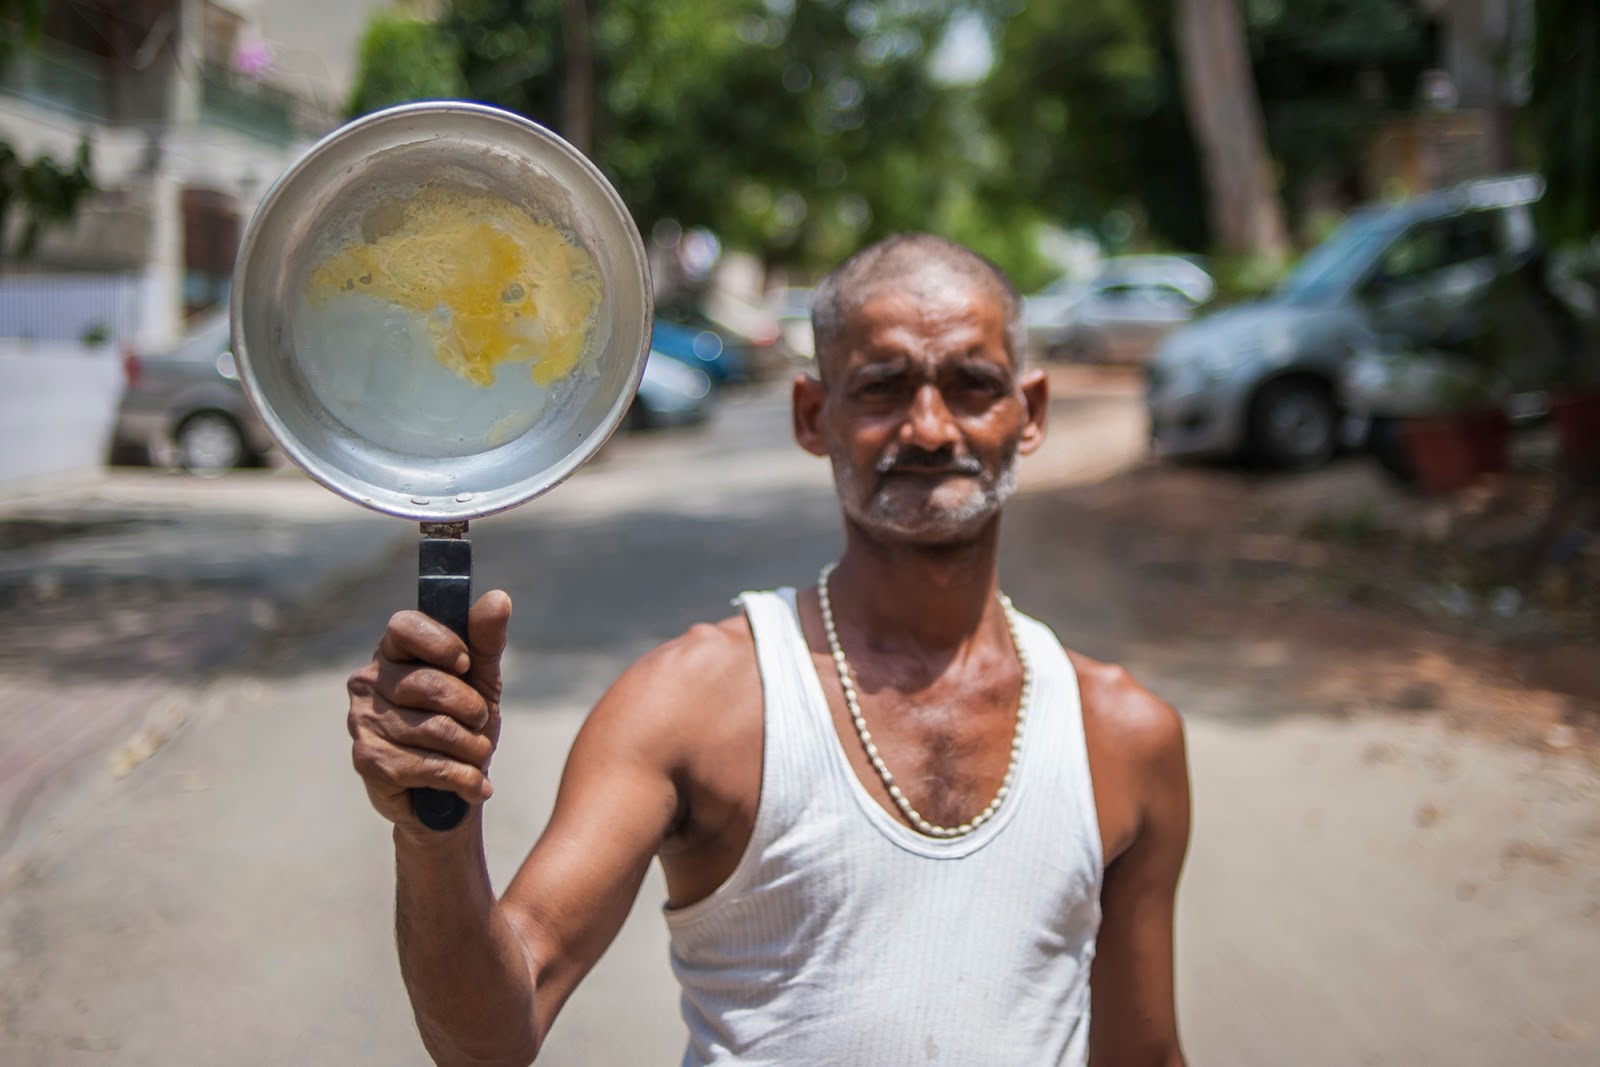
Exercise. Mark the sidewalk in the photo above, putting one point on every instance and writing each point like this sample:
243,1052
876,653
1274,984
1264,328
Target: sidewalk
121,596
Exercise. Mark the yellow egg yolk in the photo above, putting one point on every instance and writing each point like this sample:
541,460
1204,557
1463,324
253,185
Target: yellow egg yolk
494,284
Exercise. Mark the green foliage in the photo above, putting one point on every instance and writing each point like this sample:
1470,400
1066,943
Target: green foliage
1328,71
21,23
797,130
1089,97
403,59
1242,278
801,129
1566,114
41,192
48,193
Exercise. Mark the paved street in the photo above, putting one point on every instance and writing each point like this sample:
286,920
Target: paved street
207,885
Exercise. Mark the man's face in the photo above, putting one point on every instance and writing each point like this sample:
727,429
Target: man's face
923,416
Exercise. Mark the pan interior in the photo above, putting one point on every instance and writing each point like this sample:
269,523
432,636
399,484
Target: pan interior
441,311
446,301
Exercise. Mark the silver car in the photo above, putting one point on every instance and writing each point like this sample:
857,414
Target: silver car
185,407
1259,380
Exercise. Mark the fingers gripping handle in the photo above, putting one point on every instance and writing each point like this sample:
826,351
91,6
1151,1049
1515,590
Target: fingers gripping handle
444,593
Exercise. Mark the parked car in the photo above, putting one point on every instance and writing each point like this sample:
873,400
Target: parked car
792,308
186,406
1259,380
1121,314
750,335
670,394
703,349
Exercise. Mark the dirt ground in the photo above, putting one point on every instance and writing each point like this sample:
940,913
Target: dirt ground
1388,599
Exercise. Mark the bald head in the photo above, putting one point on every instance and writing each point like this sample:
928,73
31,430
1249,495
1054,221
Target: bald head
920,264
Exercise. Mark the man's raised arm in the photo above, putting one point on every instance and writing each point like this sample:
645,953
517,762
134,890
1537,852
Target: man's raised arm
487,977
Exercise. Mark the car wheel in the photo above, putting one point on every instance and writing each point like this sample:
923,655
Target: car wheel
209,443
1293,425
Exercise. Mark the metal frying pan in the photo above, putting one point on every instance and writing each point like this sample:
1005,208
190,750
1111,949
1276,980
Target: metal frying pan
441,311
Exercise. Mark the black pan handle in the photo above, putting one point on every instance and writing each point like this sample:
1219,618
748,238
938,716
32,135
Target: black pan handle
444,592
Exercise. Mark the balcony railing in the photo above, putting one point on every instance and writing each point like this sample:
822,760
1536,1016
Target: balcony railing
246,106
59,79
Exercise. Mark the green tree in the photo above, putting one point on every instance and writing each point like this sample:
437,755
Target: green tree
1088,96
1328,72
41,192
403,59
1566,116
795,130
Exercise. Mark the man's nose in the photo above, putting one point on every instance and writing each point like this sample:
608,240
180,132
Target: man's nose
929,424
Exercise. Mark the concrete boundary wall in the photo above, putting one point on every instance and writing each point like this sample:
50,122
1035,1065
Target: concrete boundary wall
63,307
58,403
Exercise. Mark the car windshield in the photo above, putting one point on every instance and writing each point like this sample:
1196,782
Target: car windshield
1336,264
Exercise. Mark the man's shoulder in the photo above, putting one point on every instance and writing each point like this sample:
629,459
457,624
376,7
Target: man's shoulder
707,661
1137,760
1136,723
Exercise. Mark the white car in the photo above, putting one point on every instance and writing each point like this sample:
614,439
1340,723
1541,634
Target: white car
792,307
1121,314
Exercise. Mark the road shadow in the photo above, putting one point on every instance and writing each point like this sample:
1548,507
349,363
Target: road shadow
590,594
1198,578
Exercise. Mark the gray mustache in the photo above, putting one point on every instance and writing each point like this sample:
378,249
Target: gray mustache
923,461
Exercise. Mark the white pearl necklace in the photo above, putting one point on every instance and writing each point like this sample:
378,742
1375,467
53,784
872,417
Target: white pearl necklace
854,705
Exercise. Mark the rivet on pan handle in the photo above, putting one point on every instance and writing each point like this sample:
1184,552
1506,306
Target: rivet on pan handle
444,592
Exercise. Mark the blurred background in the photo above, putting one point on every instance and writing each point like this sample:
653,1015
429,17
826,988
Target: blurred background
1317,284
1133,164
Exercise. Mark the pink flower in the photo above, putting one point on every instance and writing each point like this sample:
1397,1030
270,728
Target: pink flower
253,58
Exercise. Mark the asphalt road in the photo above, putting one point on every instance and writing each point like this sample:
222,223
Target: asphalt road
1362,889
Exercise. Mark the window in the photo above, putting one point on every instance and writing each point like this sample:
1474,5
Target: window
1432,246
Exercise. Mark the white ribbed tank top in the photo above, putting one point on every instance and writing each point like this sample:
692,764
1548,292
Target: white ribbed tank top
844,937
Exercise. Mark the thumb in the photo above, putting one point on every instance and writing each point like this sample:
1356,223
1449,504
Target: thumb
487,624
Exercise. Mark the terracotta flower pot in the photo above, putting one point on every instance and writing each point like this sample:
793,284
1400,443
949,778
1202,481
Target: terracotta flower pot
1450,452
1577,419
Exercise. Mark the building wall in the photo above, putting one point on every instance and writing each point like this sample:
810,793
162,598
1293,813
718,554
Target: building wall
71,307
316,43
196,150
57,408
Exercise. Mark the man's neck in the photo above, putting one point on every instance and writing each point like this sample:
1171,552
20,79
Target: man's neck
916,598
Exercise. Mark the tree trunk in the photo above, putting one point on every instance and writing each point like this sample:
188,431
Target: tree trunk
1246,212
577,105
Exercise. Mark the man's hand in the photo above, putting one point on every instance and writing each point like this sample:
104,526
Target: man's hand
425,713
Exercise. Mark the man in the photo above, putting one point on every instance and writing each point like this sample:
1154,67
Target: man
898,822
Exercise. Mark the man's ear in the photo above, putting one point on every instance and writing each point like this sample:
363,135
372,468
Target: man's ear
810,401
1035,386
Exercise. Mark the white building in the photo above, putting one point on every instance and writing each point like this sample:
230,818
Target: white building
191,109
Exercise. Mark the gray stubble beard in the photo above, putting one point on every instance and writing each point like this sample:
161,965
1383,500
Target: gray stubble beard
887,515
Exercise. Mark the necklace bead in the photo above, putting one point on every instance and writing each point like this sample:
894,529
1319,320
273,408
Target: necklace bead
853,705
